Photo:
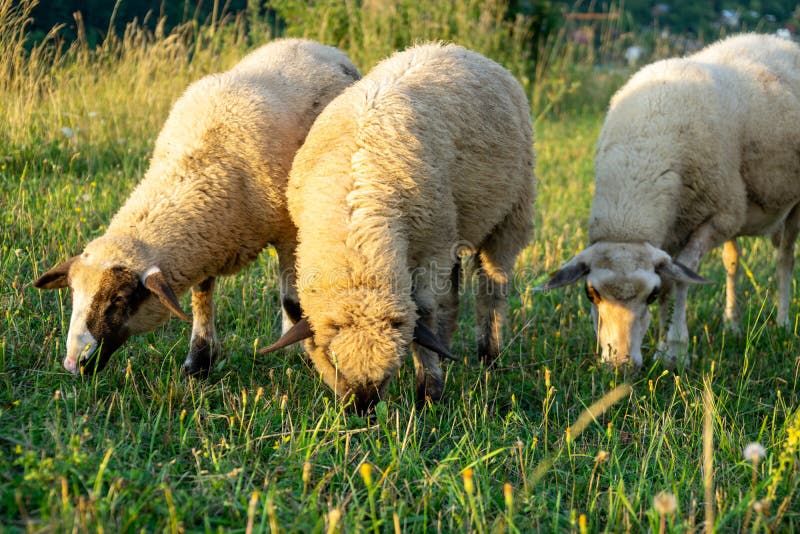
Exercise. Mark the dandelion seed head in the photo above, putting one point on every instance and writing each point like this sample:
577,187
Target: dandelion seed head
754,452
68,132
665,503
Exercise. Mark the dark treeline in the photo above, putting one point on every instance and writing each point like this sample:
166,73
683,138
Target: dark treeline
678,16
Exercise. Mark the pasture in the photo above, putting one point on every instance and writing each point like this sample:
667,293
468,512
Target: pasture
547,440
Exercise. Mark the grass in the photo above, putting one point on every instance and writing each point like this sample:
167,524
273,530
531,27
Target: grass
547,441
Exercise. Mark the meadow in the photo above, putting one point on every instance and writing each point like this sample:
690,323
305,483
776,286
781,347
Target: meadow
548,440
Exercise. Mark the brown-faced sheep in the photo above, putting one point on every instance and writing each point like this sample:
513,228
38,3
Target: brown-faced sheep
430,151
693,153
212,199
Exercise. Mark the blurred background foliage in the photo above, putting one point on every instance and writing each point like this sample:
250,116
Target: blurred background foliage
569,57
544,17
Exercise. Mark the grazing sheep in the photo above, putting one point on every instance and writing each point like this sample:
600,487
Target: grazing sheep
430,151
693,153
212,199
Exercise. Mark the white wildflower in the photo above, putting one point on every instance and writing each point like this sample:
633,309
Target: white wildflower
754,452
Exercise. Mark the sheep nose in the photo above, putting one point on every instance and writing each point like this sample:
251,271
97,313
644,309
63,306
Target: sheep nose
364,399
614,357
71,365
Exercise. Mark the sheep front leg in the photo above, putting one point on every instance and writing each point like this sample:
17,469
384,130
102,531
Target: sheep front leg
730,259
428,373
702,240
290,302
448,306
664,298
785,240
204,344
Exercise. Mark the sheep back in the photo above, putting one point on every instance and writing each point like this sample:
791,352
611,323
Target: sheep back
215,188
432,148
714,133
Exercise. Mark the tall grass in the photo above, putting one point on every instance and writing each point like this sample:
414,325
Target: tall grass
58,98
50,88
547,441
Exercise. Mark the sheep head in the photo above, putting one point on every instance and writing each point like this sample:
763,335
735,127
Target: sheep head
359,343
622,279
110,302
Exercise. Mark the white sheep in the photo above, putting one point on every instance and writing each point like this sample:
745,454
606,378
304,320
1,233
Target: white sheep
693,153
212,199
432,150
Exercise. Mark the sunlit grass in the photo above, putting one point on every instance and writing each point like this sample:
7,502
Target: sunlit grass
264,443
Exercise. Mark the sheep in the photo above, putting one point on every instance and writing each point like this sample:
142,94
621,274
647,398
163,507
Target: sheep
212,199
431,152
693,153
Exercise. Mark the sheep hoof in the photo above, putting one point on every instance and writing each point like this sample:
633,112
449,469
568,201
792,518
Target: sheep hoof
732,325
198,362
429,388
676,354
486,354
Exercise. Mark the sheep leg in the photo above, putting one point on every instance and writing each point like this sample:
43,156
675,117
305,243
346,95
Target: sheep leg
428,373
701,241
290,302
495,259
491,303
786,238
448,306
204,342
730,259
664,311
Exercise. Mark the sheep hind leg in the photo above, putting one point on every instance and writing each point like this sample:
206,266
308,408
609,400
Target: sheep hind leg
785,239
495,259
204,344
730,259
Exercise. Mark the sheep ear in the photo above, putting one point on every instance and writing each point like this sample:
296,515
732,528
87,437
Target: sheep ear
298,332
56,277
155,281
571,272
424,337
675,270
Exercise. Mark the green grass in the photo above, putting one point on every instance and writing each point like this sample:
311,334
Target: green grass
263,442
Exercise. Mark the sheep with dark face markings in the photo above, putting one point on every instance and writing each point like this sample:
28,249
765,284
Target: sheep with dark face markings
212,199
432,149
693,153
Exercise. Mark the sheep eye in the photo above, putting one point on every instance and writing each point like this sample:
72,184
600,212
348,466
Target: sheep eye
591,293
651,298
396,323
